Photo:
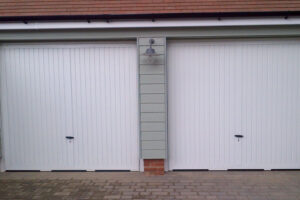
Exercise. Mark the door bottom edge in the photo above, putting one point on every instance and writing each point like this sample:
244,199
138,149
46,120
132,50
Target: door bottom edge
22,170
189,170
117,170
296,169
57,170
245,169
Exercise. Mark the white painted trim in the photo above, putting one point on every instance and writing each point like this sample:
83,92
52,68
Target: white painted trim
149,24
2,168
141,164
2,161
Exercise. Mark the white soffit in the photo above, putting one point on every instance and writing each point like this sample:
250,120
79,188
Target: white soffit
149,24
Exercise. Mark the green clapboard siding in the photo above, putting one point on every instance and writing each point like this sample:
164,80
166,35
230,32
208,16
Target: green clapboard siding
152,78
155,60
153,153
153,117
154,144
153,126
152,88
152,98
152,69
153,110
152,136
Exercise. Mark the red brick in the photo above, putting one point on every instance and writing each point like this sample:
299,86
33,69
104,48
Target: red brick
154,166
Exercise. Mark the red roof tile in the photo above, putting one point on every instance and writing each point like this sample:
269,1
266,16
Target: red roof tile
120,7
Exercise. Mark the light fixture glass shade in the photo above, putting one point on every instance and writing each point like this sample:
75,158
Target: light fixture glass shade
150,51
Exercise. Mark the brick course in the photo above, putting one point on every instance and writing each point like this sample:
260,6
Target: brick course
97,7
154,166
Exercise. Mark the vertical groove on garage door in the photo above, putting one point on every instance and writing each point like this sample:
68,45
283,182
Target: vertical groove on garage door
203,107
105,103
36,104
221,88
81,90
270,104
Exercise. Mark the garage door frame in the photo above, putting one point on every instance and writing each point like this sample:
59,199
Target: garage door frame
81,44
264,40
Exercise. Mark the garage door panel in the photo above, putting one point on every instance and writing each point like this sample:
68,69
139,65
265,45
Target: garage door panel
105,104
87,91
269,107
218,89
33,114
197,124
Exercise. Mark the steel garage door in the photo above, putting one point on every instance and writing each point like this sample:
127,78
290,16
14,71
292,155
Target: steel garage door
222,88
85,91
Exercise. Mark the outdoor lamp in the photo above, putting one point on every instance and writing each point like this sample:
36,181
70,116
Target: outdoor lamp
150,51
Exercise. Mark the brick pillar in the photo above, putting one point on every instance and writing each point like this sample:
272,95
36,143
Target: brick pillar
154,166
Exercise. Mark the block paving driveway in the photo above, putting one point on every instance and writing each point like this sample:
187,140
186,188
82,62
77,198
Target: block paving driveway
134,185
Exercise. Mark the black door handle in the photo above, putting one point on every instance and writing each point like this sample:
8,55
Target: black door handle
238,136
70,137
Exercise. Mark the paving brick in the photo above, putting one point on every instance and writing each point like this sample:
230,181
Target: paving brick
172,186
112,197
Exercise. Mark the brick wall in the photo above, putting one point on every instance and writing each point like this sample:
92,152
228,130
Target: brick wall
154,166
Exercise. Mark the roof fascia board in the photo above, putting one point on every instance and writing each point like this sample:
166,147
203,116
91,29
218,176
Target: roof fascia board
170,33
163,23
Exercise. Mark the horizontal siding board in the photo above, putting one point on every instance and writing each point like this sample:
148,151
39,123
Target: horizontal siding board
153,89
152,108
154,60
153,117
153,126
152,69
153,144
154,154
152,79
153,98
146,136
145,41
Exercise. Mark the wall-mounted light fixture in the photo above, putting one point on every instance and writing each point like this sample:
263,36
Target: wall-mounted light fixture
150,52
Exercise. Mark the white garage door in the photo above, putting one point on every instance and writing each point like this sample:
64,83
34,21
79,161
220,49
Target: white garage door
221,89
87,92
